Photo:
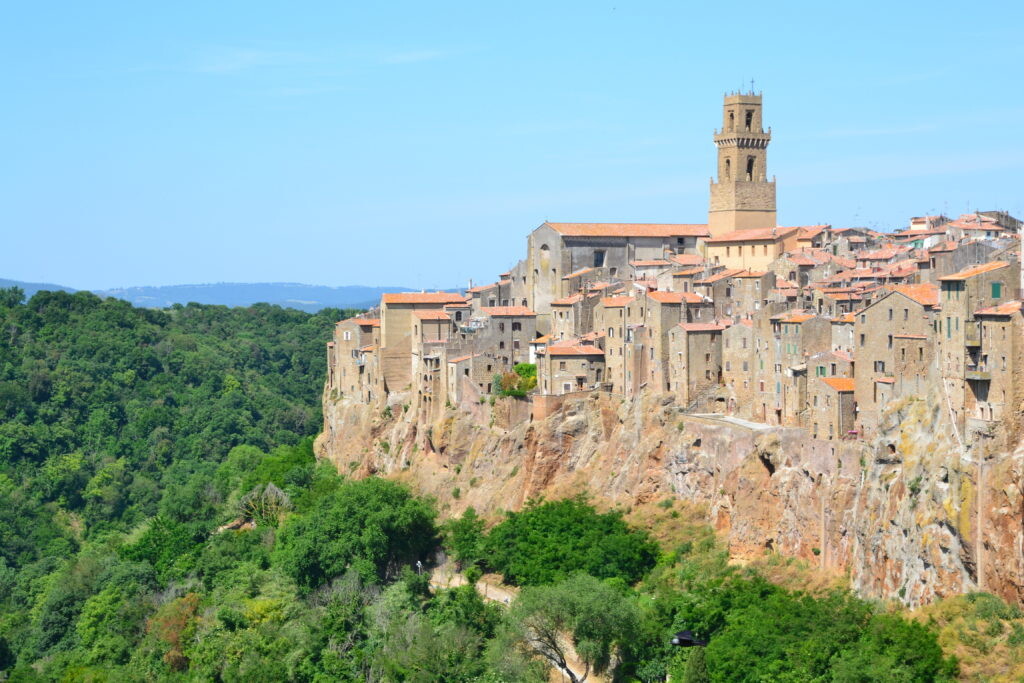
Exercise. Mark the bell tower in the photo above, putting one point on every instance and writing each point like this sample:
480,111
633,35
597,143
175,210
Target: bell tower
742,198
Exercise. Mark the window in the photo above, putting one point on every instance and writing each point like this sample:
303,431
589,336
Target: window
561,365
501,327
348,335
862,339
611,332
599,258
728,169
501,345
750,168
492,302
728,366
458,316
517,327
906,313
746,366
890,341
879,366
997,290
821,371
833,369
750,118
732,121
890,314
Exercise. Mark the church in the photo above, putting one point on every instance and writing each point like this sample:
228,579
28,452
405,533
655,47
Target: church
740,232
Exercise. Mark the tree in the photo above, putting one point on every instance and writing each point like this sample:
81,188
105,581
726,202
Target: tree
373,526
546,542
464,538
575,625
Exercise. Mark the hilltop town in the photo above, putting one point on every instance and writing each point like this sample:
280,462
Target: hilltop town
816,327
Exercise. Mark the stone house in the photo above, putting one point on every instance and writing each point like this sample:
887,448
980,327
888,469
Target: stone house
396,323
696,359
893,349
352,360
993,408
567,368
796,336
958,332
514,327
555,250
611,322
832,411
750,249
738,346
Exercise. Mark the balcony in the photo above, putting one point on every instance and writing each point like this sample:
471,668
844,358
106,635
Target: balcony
972,334
977,372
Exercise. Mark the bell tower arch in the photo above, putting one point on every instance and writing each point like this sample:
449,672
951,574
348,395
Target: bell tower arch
742,197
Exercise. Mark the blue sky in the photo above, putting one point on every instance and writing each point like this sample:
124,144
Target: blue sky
418,143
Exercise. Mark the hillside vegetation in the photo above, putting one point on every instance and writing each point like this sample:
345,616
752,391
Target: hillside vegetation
162,517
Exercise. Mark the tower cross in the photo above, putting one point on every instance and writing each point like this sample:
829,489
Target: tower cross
751,85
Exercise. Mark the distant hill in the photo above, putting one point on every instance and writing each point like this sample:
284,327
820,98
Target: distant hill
310,298
33,287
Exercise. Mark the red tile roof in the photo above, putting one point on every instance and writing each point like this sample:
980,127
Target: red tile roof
508,312
431,315
841,384
688,271
1005,308
701,327
577,273
568,300
649,263
462,358
421,298
729,272
676,297
583,350
630,229
926,294
975,270
615,301
481,288
758,235
686,259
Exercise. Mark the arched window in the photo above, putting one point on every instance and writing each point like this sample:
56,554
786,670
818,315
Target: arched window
750,118
728,169
611,332
732,122
750,168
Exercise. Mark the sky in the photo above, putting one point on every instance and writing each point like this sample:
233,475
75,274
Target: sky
417,144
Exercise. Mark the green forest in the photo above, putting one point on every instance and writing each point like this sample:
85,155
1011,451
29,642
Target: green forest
162,517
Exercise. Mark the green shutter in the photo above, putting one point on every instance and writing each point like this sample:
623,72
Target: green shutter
997,290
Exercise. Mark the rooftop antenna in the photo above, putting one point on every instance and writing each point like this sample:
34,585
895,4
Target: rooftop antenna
751,86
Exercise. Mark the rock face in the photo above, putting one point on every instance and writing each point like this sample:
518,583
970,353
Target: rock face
910,516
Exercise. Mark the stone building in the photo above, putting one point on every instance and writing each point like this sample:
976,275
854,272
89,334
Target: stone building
959,335
695,350
750,249
568,368
742,198
893,349
514,328
396,324
994,406
832,411
555,250
352,360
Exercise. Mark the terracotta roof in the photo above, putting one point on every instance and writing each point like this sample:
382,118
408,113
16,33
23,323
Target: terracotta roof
577,273
367,349
719,276
944,246
542,340
462,358
615,301
926,294
504,283
583,350
758,235
482,288
431,315
676,297
701,327
797,318
848,318
462,304
811,231
649,263
508,312
421,298
368,322
975,270
686,259
630,229
842,384
802,260
751,273
567,300
1005,308
688,271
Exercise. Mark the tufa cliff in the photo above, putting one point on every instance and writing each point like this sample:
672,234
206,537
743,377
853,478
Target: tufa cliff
908,516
